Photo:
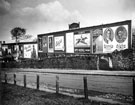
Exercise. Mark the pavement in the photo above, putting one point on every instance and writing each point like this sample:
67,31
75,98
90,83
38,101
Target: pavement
74,72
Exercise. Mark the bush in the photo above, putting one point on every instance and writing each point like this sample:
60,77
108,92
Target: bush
121,60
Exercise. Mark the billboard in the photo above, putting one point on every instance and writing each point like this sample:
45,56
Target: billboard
115,38
70,42
50,44
82,43
59,43
30,51
99,39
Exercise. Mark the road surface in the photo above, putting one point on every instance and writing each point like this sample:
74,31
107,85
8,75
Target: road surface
102,83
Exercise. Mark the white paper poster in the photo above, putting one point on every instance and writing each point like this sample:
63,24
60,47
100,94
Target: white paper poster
30,51
70,42
59,43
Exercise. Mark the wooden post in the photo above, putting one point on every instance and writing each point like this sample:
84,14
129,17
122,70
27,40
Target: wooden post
38,82
25,81
14,79
97,62
133,91
5,78
57,84
0,89
85,87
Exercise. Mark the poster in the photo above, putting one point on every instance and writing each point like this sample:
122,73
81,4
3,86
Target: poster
121,37
82,40
82,43
59,43
115,38
70,42
109,41
97,41
30,51
45,44
50,44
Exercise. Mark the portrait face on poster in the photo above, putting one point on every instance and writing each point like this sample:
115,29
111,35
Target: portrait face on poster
108,35
121,34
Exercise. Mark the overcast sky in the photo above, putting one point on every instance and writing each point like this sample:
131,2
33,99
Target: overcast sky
43,16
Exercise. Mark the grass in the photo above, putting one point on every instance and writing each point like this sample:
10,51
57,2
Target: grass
16,95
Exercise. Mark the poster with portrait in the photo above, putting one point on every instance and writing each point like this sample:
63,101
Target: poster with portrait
115,38
59,43
97,41
50,44
82,43
30,51
121,37
45,44
108,40
70,42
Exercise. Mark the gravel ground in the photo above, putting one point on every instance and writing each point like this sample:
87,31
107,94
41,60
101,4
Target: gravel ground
16,95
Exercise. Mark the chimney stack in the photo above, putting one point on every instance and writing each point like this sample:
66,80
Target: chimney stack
74,25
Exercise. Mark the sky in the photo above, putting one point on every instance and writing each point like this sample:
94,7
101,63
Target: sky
43,16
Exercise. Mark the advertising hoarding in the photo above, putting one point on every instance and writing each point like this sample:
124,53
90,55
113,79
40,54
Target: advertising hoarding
50,44
59,43
99,39
30,51
70,42
82,43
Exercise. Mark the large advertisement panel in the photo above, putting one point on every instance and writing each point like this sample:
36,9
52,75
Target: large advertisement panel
45,44
50,44
30,51
115,38
82,43
97,41
59,43
70,42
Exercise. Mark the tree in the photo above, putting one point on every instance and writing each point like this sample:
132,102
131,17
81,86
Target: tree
18,34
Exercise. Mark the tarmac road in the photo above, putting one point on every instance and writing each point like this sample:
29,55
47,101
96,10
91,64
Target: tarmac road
102,81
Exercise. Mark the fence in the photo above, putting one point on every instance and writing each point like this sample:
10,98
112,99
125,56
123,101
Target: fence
57,83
